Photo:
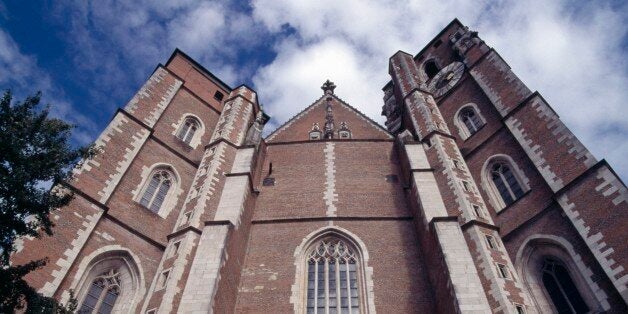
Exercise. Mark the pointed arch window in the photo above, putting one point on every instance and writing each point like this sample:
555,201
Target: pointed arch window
471,120
506,183
561,288
333,278
503,181
468,120
102,294
157,189
188,128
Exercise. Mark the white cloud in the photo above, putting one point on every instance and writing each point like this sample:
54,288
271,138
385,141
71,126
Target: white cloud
291,82
571,52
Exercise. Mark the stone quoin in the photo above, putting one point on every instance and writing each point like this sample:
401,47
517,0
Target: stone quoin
474,198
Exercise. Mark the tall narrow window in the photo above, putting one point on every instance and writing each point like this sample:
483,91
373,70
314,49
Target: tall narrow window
468,120
102,294
157,190
188,129
471,120
332,278
561,288
506,183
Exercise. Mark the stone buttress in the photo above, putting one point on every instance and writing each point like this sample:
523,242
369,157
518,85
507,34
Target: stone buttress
569,169
211,232
438,173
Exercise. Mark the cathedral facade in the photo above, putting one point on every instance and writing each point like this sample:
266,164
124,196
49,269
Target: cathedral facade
474,197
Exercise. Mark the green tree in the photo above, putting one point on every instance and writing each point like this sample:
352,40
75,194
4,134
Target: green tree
35,155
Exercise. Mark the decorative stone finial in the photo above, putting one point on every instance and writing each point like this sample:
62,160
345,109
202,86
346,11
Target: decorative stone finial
328,87
329,118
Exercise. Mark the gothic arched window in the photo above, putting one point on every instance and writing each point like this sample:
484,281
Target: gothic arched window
333,277
157,189
557,279
471,120
102,294
503,181
468,120
187,130
430,68
561,288
506,183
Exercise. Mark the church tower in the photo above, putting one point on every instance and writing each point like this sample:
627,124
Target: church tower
474,198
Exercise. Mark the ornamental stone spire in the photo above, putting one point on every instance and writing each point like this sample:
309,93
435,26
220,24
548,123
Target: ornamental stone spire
328,87
329,116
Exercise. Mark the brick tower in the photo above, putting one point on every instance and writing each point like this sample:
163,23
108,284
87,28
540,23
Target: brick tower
474,198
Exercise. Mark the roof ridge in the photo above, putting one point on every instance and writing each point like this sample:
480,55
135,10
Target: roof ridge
364,116
294,118
310,107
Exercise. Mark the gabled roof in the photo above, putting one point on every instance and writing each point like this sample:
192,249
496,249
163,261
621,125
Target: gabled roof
298,127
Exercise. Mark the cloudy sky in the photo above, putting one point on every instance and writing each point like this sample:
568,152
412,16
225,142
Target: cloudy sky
89,57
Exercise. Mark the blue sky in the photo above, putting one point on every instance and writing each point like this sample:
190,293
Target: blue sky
89,57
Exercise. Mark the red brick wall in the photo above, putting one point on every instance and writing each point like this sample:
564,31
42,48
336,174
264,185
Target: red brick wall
299,129
197,82
184,103
67,221
148,254
399,275
123,207
552,222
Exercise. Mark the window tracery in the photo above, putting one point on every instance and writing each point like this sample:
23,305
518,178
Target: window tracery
157,190
187,130
506,183
556,277
468,120
102,294
561,288
332,278
503,181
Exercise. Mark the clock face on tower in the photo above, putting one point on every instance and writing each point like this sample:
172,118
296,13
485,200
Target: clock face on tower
446,78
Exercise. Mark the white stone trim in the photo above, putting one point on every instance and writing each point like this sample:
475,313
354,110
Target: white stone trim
70,254
173,194
416,156
100,143
102,258
146,91
243,160
489,268
209,174
232,199
495,63
202,284
299,288
198,135
539,245
489,187
463,131
464,282
138,140
611,186
330,196
601,251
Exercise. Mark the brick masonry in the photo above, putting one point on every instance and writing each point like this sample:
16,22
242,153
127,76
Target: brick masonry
415,200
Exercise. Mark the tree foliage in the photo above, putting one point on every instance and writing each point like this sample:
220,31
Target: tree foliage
35,155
